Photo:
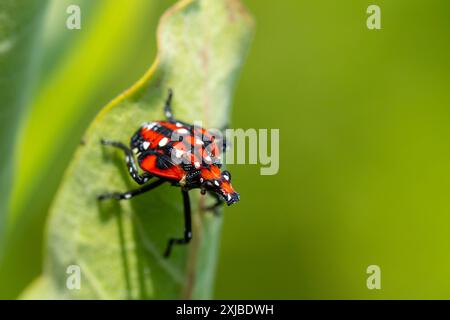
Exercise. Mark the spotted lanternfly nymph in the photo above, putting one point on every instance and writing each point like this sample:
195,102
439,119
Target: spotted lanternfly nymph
181,154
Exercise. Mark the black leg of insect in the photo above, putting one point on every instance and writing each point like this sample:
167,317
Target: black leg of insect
187,225
131,164
168,109
168,106
130,194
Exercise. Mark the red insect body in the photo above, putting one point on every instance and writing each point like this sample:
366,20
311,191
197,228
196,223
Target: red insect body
184,154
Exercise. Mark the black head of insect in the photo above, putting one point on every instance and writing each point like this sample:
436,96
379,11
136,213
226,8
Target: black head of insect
218,182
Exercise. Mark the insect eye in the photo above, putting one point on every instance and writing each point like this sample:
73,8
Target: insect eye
226,175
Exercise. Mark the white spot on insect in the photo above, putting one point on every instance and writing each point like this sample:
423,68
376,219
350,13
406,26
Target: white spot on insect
149,126
216,183
199,142
135,150
179,125
226,177
182,131
127,159
208,159
197,164
228,197
145,179
127,196
131,169
201,180
163,142
178,153
168,114
145,145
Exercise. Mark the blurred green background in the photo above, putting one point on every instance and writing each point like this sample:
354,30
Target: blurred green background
364,127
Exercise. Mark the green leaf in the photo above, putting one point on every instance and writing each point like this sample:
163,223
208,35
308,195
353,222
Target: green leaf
77,74
19,34
118,245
